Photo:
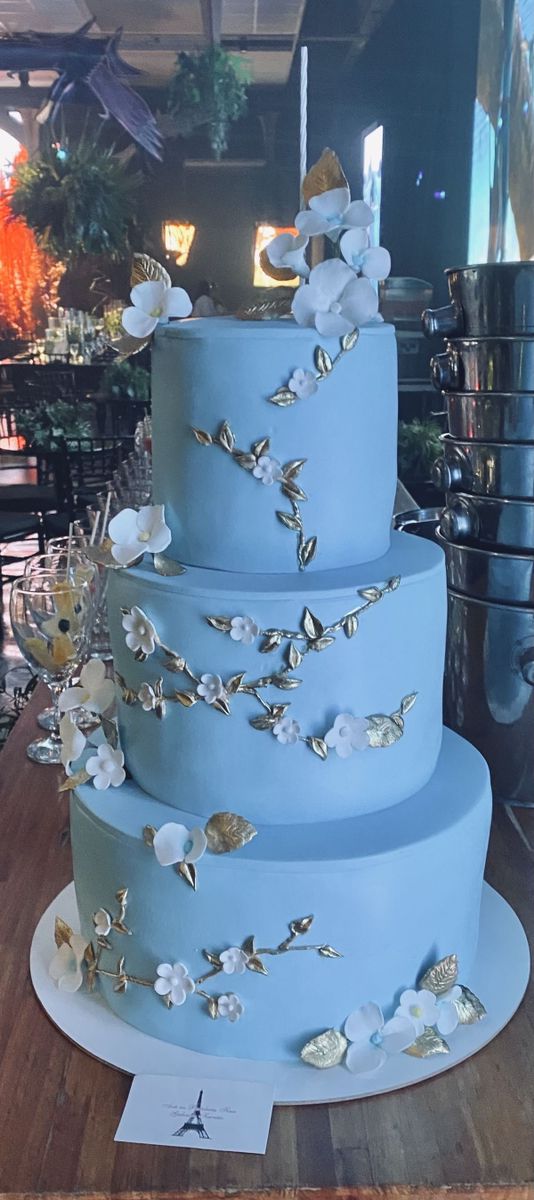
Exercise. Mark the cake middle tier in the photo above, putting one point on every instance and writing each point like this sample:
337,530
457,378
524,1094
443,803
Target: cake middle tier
287,699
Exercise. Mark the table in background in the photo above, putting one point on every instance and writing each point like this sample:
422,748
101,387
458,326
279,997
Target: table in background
472,1127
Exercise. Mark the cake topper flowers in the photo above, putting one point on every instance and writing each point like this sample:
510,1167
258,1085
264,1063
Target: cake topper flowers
154,301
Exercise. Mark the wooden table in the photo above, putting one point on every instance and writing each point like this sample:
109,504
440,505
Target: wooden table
470,1129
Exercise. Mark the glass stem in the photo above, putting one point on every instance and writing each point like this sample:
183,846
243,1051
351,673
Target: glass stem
55,690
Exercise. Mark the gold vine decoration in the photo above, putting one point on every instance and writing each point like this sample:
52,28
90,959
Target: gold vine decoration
324,365
248,460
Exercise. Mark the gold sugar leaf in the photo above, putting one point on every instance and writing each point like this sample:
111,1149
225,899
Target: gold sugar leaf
122,895
271,642
326,174
110,732
74,781
311,624
308,551
350,625
213,1009
186,698
442,976
283,274
371,594
329,952
469,1008
321,643
318,745
233,685
249,946
222,705
294,656
301,924
213,959
127,345
283,397
223,624
62,932
323,362
120,927
149,833
348,341
261,447
325,1050
226,437
294,467
146,268
89,956
175,663
255,964
266,722
189,873
394,583
286,683
227,831
267,310
383,731
292,490
290,521
203,438
121,984
247,461
428,1044
407,703
166,566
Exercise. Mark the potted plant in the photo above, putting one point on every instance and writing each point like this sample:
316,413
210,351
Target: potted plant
48,426
209,88
126,381
418,447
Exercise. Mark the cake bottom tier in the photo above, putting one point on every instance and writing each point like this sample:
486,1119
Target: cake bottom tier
391,892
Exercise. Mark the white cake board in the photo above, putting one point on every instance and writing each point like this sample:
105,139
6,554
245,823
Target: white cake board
499,977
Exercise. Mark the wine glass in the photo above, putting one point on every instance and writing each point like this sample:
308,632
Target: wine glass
51,617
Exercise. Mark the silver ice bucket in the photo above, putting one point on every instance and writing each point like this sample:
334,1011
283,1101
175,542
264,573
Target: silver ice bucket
489,364
490,298
486,468
490,416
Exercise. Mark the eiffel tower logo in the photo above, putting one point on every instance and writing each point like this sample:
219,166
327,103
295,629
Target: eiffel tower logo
194,1123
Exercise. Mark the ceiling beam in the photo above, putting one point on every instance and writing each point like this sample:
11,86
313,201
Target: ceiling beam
211,13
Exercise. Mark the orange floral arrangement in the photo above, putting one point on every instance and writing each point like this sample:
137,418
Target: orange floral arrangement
29,277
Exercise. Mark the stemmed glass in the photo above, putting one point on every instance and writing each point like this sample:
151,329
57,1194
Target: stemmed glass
51,617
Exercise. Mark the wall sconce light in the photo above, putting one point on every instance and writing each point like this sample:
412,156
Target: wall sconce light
264,235
178,238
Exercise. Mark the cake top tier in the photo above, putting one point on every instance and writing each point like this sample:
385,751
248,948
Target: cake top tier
274,449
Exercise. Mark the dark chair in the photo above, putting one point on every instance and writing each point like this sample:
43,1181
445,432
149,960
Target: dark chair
45,487
15,528
92,463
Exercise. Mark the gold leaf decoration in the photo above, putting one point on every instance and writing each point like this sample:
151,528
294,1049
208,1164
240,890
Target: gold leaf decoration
226,831
189,873
408,702
308,551
283,274
166,566
186,698
146,268
295,656
350,625
110,731
223,624
74,781
266,722
62,932
383,731
247,461
311,624
122,895
325,1050
203,438
271,642
249,945
290,521
222,705
226,437
394,583
329,952
233,685
255,964
294,467
286,683
326,174
371,594
126,345
267,310
323,362
428,1044
469,1008
321,643
213,1009
319,746
442,976
149,833
348,341
283,397
213,959
261,447
292,490
175,663
301,924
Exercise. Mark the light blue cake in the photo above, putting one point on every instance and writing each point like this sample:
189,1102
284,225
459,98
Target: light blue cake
293,683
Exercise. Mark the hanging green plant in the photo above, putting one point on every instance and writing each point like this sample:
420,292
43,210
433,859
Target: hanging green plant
78,200
209,88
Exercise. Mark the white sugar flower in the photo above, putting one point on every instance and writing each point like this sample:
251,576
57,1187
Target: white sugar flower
140,632
66,966
303,383
211,688
106,767
153,301
267,469
347,734
244,630
419,1007
102,922
334,300
94,692
230,1006
147,697
234,961
332,211
372,1039
72,741
286,731
175,843
448,1017
372,261
286,250
174,981
136,532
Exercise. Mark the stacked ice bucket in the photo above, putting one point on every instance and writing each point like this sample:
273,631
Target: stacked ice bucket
486,376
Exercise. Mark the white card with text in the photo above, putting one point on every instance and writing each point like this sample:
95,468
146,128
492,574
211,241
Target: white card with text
199,1114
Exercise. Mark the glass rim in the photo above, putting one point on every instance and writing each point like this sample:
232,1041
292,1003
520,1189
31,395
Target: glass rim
41,576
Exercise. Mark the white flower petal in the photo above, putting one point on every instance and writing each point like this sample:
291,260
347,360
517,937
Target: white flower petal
162,986
376,263
358,213
397,1035
364,1059
278,247
59,964
71,982
303,306
127,553
331,278
363,1022
117,776
93,674
72,697
123,526
169,843
309,224
330,324
160,539
177,302
447,1019
148,295
149,518
360,302
164,970
407,998
137,323
333,203
199,842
